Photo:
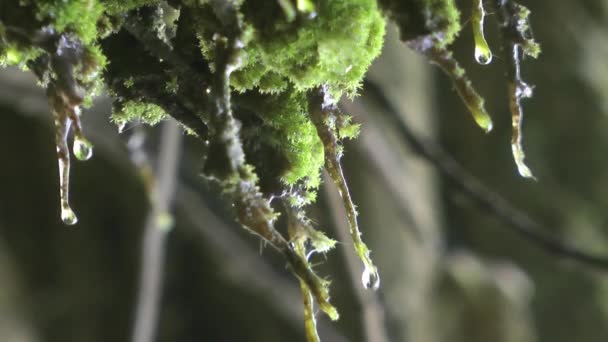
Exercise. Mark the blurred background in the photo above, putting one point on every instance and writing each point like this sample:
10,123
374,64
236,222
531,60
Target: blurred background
452,270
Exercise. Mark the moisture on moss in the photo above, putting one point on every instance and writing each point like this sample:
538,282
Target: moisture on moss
148,113
334,46
123,6
76,16
289,130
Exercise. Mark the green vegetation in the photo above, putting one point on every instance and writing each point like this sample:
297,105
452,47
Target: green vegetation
257,80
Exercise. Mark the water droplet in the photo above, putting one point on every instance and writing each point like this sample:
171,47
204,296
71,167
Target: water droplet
370,278
483,56
523,90
482,118
121,126
83,150
68,217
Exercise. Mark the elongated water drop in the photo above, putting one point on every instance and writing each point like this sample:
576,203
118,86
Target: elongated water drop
62,127
83,149
483,54
68,217
370,278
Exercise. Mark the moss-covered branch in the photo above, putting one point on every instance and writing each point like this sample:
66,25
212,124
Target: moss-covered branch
254,80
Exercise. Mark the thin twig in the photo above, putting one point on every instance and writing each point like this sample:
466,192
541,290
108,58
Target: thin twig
484,198
372,310
244,266
517,43
155,234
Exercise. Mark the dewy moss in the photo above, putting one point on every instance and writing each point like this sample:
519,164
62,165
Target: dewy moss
304,53
285,58
130,111
258,80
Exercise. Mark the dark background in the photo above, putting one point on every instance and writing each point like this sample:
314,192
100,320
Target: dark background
450,271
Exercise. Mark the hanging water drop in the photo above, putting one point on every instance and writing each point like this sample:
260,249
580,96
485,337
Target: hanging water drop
63,115
68,216
83,149
483,54
370,278
121,126
523,90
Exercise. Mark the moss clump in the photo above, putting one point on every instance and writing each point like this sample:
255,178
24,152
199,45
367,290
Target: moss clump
123,6
284,57
135,110
421,18
76,16
307,52
13,55
292,133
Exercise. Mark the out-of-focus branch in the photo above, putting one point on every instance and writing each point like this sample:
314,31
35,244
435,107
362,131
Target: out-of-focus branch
484,198
162,189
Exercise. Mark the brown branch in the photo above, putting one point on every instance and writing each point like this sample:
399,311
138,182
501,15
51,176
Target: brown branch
517,42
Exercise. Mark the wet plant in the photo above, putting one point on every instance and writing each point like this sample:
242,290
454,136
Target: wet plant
258,83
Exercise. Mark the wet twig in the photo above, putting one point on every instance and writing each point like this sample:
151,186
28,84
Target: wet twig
517,42
513,218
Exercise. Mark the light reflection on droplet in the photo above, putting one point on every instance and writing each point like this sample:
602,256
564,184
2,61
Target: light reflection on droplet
68,216
83,150
370,278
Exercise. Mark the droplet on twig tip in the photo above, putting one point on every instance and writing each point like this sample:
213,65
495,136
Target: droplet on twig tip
68,216
83,150
370,278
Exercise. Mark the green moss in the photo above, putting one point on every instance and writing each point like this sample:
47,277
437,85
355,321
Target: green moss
123,6
447,18
77,16
348,129
335,47
12,55
134,110
172,86
294,135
